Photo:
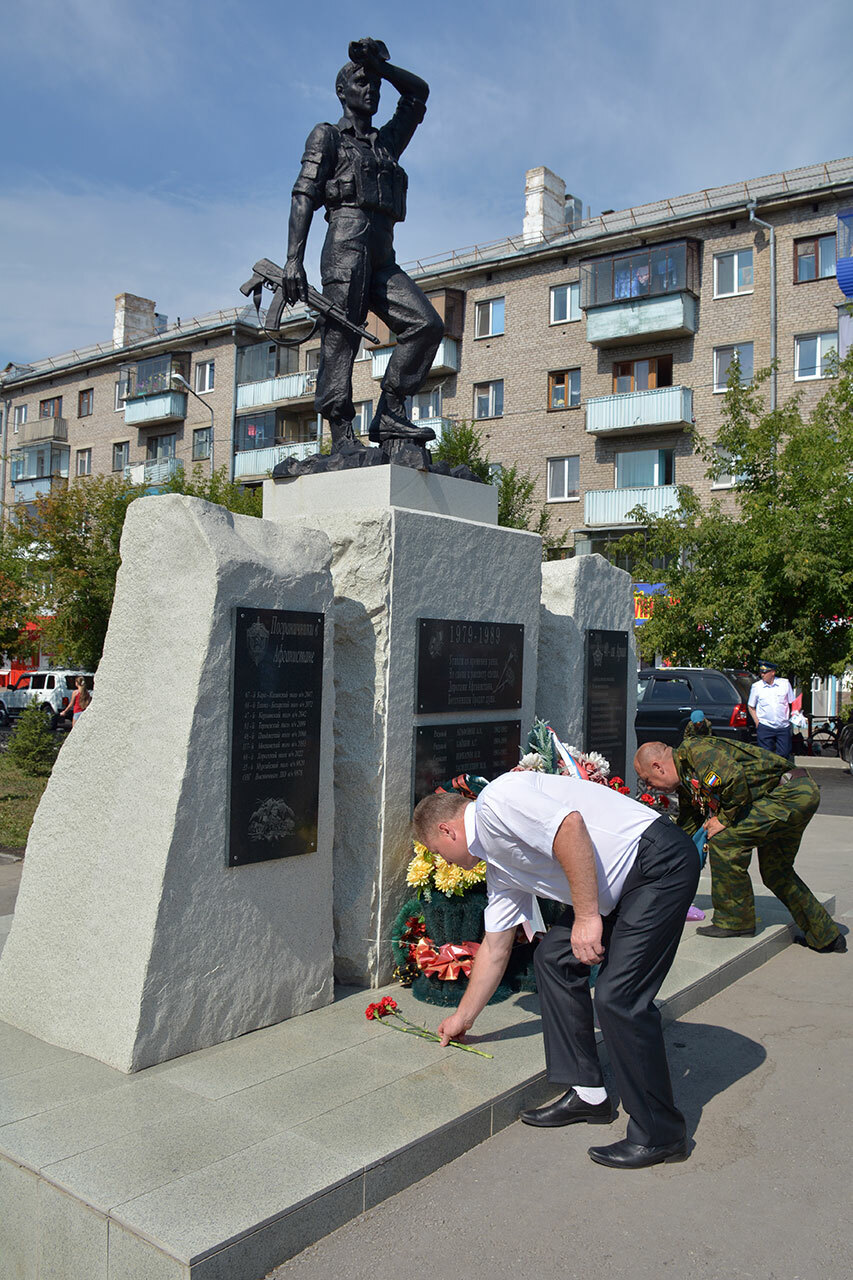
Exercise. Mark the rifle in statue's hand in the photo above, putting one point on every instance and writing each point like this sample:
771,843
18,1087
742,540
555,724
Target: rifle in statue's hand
268,275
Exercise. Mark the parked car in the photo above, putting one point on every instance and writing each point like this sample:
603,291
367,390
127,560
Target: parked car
666,697
51,690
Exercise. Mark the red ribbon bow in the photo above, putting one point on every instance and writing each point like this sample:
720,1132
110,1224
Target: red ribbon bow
449,961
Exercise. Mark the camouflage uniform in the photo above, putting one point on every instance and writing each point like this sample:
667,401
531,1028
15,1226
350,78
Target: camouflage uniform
751,792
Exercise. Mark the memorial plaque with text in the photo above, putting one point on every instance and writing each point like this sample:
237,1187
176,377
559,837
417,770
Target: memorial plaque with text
275,734
607,696
487,748
468,666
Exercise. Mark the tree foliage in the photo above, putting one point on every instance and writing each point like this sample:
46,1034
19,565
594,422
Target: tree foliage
62,557
517,508
769,572
33,745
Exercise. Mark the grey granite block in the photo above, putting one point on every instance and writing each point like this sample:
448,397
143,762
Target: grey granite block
160,1154
72,1238
32,1092
205,1211
78,1126
387,1177
254,1255
18,1222
131,1258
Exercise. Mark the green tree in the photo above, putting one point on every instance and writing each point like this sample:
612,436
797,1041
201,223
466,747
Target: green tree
33,746
65,554
517,509
771,573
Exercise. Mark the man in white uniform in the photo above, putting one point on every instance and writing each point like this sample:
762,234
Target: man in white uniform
629,876
770,701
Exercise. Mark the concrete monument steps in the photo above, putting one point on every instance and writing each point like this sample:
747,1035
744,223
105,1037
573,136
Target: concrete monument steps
222,1164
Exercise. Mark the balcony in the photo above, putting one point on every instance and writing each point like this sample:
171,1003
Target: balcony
607,507
640,411
646,292
673,316
38,463
41,431
257,463
150,410
446,358
155,471
289,386
28,488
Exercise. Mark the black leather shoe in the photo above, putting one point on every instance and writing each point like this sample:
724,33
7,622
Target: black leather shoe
838,944
570,1109
632,1155
714,931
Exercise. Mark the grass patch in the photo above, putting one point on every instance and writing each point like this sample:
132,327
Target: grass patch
19,797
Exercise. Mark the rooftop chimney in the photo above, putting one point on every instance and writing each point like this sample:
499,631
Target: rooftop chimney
135,319
544,204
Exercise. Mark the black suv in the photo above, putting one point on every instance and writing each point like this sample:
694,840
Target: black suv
667,695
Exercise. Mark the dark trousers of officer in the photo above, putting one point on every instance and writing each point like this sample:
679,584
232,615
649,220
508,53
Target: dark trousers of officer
360,273
778,740
640,938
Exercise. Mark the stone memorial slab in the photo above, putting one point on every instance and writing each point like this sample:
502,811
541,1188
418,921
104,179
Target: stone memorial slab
468,666
485,748
606,687
275,736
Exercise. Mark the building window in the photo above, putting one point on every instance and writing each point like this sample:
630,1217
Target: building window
732,273
642,273
365,350
723,357
563,478
642,375
814,259
262,361
363,417
426,404
565,303
255,431
204,376
727,476
51,408
645,468
564,389
489,318
83,465
161,447
121,455
811,355
120,393
201,443
312,358
85,402
489,399
20,415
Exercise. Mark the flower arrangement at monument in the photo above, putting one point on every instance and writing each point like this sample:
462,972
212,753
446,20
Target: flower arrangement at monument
387,1008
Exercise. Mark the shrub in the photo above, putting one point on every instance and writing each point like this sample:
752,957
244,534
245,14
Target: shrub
33,746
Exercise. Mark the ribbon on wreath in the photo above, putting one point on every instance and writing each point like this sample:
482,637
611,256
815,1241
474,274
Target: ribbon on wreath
448,962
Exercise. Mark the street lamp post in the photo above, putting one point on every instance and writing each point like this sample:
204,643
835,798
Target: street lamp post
179,378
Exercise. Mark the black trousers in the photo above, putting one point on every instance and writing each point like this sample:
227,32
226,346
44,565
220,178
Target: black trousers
640,938
360,273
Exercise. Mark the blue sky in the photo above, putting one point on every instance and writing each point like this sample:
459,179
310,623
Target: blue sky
151,148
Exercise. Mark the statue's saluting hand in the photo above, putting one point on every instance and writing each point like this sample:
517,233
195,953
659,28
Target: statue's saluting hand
368,52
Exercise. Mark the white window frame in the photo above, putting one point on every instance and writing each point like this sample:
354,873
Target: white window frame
363,415
124,445
551,470
659,481
732,478
827,341
735,254
204,376
19,416
573,303
479,390
84,457
720,387
119,400
486,308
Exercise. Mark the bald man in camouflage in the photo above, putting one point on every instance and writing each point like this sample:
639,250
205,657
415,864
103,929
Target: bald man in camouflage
745,798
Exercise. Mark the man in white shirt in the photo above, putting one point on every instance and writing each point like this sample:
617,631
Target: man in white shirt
629,876
770,701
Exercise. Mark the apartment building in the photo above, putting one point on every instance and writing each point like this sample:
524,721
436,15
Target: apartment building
586,350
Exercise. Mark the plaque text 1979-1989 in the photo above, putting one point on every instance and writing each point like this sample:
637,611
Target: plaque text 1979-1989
468,666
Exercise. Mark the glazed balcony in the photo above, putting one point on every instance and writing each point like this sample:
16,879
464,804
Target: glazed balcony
640,411
647,292
292,387
605,507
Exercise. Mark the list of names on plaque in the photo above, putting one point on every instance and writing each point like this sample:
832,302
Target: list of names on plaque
468,666
486,748
275,734
607,696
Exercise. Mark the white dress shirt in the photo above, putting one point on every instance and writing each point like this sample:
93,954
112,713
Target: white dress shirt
772,702
512,826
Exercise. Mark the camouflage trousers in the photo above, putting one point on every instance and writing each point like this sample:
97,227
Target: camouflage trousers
774,824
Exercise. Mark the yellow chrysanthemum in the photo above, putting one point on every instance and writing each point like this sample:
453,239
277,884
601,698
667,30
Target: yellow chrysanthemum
419,872
475,876
420,849
448,878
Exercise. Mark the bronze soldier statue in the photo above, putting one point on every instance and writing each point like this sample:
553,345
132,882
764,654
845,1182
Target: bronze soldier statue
353,170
